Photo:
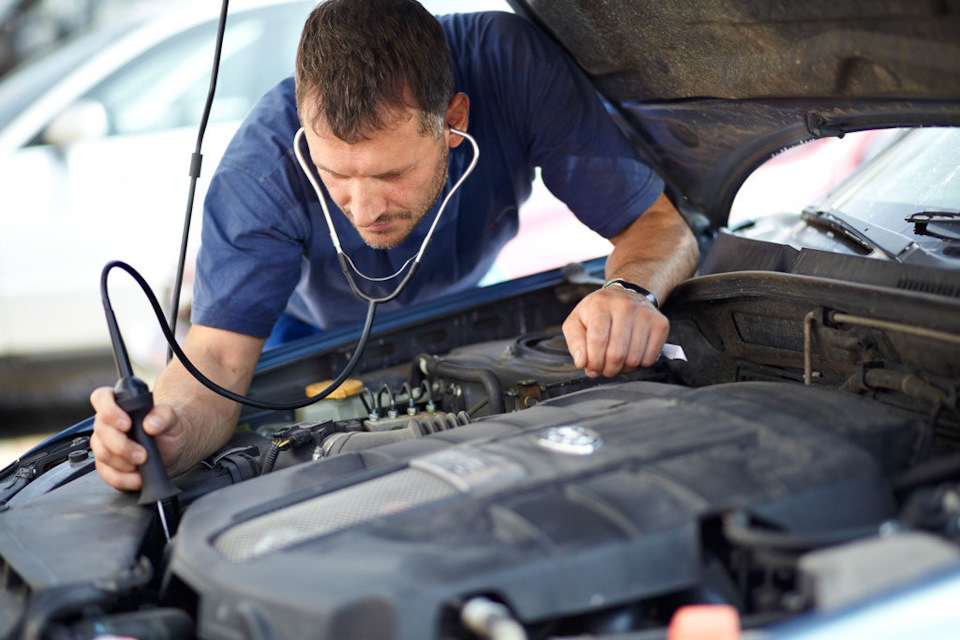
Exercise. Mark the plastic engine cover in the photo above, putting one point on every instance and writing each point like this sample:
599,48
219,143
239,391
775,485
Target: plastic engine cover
579,504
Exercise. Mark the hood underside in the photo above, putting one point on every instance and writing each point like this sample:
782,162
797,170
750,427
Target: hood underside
710,88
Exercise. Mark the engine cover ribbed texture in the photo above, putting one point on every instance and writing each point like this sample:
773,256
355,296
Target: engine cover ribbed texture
584,502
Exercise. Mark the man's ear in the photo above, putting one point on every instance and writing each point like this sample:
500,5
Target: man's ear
458,116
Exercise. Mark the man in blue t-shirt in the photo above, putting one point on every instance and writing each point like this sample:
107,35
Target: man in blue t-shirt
383,91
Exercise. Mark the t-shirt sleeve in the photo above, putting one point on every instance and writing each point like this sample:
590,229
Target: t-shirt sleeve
250,256
585,160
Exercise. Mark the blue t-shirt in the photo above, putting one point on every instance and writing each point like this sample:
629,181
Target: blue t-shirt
265,245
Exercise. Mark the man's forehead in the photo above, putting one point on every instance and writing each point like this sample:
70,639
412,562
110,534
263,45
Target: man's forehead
391,118
392,121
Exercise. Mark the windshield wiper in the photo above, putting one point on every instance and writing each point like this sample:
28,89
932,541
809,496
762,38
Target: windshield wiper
870,237
939,224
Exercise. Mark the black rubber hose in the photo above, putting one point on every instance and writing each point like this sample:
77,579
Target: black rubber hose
486,377
270,459
434,424
446,369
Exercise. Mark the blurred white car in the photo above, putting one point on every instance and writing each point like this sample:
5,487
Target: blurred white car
95,146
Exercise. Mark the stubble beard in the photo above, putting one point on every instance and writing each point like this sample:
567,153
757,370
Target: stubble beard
409,218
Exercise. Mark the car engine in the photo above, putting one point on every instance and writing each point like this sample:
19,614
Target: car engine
470,466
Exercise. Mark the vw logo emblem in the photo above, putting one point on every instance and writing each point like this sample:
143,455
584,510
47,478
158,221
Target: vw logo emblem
572,440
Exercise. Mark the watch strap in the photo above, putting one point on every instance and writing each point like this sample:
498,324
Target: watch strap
629,286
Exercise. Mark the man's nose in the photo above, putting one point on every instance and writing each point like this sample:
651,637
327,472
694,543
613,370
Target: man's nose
365,204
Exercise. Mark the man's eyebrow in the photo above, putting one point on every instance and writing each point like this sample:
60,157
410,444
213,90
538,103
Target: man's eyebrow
324,169
392,173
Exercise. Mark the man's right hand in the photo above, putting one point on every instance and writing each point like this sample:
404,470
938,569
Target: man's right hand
117,456
189,422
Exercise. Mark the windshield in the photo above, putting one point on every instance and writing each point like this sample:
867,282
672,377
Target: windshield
911,189
920,172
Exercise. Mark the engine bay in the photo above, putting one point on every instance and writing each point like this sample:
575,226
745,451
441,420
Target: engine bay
779,442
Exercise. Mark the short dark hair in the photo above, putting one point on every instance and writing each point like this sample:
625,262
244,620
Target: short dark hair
357,57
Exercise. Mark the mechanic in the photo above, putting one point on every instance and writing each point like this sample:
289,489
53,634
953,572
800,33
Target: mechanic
380,87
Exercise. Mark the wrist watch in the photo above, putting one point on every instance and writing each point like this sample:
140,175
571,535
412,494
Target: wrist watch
629,286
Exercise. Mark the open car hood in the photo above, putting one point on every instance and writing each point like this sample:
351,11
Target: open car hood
710,89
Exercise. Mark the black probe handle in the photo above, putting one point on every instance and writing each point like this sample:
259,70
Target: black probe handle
134,397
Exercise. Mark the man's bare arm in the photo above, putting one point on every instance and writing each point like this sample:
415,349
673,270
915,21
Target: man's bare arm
657,251
614,329
188,420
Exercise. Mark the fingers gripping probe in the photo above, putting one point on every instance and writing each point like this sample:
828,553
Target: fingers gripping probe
135,398
346,264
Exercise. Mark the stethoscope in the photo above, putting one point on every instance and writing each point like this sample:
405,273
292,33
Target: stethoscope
346,264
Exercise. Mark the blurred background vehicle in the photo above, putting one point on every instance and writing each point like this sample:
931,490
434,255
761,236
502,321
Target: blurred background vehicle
95,142
29,28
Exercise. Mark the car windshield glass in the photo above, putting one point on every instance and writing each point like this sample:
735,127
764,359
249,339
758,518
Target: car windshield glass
907,197
920,172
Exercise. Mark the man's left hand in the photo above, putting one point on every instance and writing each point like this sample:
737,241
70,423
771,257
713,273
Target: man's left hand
614,330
